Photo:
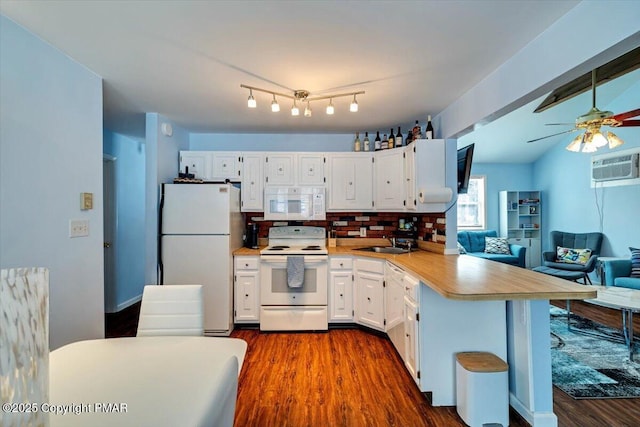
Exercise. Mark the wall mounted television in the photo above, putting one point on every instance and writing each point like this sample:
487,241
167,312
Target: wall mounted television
465,157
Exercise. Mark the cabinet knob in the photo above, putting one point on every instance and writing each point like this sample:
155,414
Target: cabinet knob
350,183
341,295
407,335
252,183
224,165
406,288
388,182
368,299
246,265
341,264
246,295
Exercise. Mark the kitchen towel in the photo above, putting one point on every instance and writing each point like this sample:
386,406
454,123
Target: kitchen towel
295,271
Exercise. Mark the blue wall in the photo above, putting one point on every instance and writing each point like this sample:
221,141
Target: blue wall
50,152
499,177
130,219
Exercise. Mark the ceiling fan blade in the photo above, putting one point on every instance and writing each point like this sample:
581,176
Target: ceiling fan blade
627,115
555,134
630,123
559,124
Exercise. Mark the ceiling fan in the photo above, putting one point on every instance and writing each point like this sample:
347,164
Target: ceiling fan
591,122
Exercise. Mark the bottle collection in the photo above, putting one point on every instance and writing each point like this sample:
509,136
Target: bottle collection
392,140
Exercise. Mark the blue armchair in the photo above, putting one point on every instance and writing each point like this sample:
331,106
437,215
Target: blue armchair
473,243
617,272
564,239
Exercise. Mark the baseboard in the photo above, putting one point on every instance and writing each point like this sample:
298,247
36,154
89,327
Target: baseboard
536,419
128,303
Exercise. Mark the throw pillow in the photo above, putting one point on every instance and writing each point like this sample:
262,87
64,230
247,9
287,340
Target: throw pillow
461,249
573,256
635,262
496,245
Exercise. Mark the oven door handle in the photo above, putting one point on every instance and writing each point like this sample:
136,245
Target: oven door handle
308,259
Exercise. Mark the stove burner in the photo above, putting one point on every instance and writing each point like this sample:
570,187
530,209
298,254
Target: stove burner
278,247
311,248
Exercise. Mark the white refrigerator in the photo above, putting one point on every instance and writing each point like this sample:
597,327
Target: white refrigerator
200,226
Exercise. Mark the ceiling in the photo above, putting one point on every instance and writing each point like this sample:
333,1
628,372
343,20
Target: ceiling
187,59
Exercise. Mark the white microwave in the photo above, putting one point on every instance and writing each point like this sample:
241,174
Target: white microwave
294,203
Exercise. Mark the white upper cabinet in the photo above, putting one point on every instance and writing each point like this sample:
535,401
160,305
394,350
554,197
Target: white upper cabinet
252,185
295,169
196,162
225,166
430,180
280,169
311,169
410,177
350,183
389,179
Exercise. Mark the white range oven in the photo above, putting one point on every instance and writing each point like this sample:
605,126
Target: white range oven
294,303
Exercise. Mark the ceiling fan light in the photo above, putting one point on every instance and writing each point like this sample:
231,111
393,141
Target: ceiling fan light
614,141
575,144
589,147
598,139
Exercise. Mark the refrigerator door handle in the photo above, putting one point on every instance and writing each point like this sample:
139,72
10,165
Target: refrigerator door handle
160,271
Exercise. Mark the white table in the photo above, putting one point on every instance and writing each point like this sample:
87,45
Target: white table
624,299
146,381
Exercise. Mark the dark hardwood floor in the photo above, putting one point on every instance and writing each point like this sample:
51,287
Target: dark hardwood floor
354,377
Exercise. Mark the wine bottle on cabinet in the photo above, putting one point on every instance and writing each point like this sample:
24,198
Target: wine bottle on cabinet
356,143
391,141
416,131
398,138
429,134
367,144
385,142
409,139
377,143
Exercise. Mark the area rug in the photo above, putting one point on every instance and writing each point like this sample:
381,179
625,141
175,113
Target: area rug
587,362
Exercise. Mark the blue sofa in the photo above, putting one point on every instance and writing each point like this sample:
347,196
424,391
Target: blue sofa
616,273
473,243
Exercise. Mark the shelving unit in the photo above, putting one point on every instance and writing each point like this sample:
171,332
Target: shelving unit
520,221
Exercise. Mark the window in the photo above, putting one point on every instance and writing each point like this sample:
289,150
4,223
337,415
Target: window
471,206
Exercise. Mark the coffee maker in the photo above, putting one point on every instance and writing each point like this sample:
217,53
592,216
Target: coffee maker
251,236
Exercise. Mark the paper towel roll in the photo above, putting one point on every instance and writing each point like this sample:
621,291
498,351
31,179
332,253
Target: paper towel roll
435,195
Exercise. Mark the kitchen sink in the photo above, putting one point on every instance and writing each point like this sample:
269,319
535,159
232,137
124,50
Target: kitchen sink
384,249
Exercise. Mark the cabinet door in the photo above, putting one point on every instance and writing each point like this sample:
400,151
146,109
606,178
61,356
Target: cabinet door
252,186
225,165
370,300
311,169
390,185
279,169
341,295
246,298
410,177
350,182
411,347
197,163
394,302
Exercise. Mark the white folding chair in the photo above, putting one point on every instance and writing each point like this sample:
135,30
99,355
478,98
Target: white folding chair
171,310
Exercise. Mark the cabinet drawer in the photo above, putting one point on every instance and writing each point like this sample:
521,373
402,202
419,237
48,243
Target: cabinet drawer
370,266
340,263
247,263
411,287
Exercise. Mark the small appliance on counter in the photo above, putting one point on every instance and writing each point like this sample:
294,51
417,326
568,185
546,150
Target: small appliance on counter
251,236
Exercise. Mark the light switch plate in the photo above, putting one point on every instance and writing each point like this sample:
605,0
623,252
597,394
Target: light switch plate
78,227
86,201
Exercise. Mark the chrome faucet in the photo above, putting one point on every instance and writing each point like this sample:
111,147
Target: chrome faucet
393,241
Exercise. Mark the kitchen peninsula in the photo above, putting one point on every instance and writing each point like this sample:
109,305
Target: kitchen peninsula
471,304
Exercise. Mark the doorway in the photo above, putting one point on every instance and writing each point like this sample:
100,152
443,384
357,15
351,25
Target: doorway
109,190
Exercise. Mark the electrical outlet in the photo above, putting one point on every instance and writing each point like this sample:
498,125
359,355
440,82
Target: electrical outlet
78,227
363,231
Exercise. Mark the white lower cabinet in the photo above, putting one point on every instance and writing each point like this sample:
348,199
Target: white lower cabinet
369,293
412,335
340,290
247,289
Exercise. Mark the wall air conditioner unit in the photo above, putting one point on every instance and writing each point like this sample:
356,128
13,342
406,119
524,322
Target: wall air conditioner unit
617,166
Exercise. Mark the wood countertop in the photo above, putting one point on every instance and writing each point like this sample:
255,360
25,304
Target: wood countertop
465,277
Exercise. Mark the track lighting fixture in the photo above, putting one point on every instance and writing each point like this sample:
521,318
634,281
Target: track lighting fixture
302,96
251,102
275,107
354,105
330,108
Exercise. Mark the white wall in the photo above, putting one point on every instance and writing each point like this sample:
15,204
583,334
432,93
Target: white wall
50,152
